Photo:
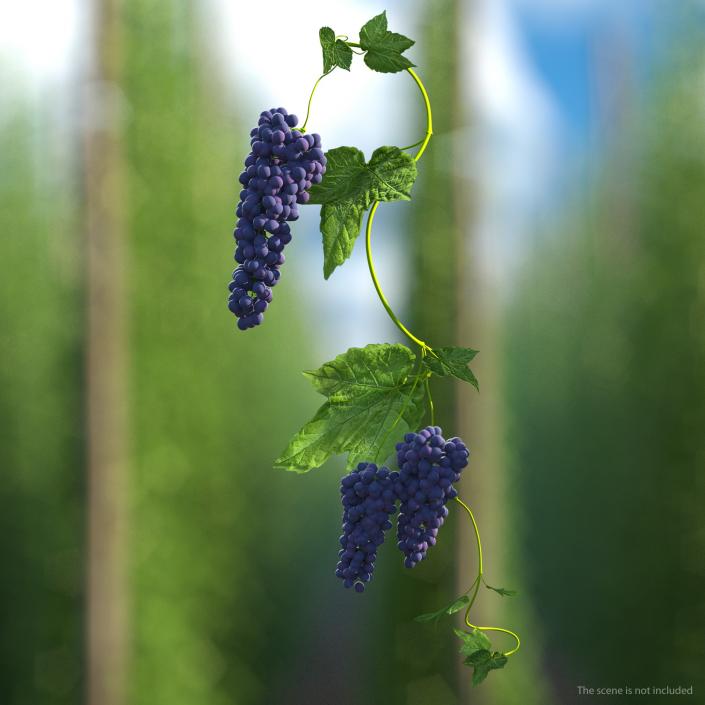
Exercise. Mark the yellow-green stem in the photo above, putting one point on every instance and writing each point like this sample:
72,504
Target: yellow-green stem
424,348
373,210
310,100
478,581
429,114
375,280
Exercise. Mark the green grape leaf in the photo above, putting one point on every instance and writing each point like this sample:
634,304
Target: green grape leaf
473,641
484,661
384,48
452,608
335,51
372,401
457,605
345,176
452,362
348,189
502,591
392,174
340,226
389,176
478,656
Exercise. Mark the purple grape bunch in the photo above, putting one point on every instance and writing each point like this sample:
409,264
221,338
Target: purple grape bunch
428,467
368,502
279,171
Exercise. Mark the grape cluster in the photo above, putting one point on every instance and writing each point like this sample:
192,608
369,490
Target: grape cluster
368,502
279,171
428,467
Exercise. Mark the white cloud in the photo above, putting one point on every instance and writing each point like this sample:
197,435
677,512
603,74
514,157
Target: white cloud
38,37
517,135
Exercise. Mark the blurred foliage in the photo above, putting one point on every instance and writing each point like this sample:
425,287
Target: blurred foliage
41,455
606,394
225,549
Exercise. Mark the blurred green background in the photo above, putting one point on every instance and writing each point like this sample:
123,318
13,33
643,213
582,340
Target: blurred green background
150,553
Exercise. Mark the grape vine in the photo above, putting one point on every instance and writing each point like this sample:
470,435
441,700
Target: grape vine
377,396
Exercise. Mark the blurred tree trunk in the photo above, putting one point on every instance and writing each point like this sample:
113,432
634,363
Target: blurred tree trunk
41,453
106,379
476,415
425,657
222,566
607,425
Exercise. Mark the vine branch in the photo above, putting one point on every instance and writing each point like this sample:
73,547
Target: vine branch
310,100
370,219
476,585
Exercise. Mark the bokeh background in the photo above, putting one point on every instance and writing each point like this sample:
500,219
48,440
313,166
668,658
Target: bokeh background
150,553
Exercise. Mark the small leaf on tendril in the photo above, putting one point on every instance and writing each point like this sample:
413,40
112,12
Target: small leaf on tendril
452,608
452,362
501,591
457,605
384,48
484,661
335,51
472,641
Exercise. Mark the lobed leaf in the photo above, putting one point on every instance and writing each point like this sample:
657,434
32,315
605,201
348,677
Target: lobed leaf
452,362
349,188
383,49
372,402
484,661
473,641
335,51
340,226
345,176
392,174
457,605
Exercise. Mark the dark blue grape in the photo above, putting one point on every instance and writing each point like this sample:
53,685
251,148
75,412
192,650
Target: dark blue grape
281,167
